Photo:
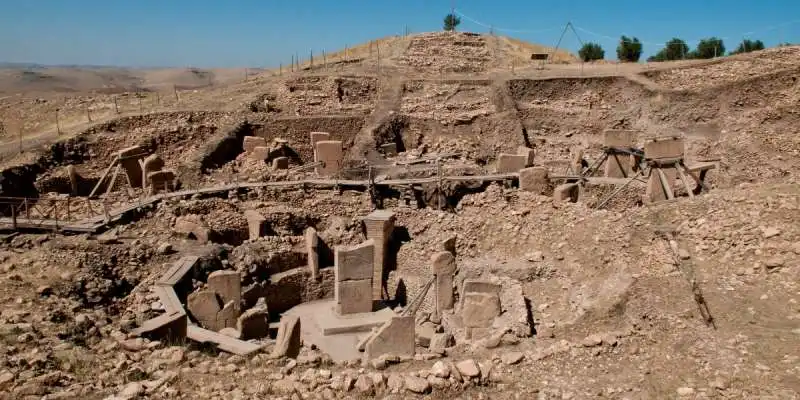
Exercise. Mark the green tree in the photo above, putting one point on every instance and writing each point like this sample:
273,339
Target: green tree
629,49
748,45
591,52
451,21
708,48
675,49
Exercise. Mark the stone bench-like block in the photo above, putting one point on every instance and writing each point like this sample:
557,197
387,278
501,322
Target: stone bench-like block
507,163
534,180
395,337
249,143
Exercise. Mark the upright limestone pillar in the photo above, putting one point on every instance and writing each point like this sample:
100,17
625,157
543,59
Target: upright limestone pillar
380,224
444,267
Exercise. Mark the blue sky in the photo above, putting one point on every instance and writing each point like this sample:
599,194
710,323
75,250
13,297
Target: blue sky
236,33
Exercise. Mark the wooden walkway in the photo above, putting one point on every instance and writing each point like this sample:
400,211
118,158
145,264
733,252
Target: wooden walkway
97,222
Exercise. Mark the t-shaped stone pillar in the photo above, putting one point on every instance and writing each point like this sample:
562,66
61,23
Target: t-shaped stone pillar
380,224
618,164
330,154
318,137
129,159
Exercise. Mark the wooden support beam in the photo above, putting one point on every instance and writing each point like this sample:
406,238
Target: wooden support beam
103,178
113,182
665,183
684,180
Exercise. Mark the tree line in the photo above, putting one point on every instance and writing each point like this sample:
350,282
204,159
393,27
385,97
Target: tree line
630,50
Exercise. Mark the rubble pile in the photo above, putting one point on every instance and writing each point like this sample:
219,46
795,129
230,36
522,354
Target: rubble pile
460,52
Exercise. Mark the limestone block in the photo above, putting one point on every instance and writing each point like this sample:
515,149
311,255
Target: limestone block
312,248
203,305
249,143
287,343
256,224
444,267
567,192
169,327
620,138
192,228
528,153
664,148
129,160
330,153
227,284
280,163
619,165
480,309
424,333
159,181
480,286
440,342
395,337
319,137
259,153
253,323
534,180
227,316
511,163
353,296
355,262
389,149
380,225
151,163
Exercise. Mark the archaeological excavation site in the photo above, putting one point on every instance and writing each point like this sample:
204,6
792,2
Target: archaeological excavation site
436,215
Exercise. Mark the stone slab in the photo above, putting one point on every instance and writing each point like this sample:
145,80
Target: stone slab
354,296
330,153
227,284
203,305
510,163
332,323
289,339
253,324
223,342
280,163
480,286
528,153
355,262
256,224
168,298
259,153
161,181
228,316
479,309
664,148
341,346
178,271
170,327
534,180
319,137
395,337
567,192
249,143
620,138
